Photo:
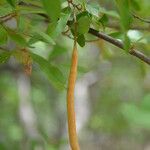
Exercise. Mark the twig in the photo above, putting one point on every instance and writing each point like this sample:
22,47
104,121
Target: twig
119,44
7,17
141,19
132,27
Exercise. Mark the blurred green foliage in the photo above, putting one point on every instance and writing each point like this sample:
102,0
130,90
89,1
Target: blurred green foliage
33,109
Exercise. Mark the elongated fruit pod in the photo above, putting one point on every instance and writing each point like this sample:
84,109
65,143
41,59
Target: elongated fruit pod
73,139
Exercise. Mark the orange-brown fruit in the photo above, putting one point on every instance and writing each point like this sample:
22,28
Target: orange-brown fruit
73,139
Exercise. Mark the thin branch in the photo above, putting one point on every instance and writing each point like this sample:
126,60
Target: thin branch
119,44
133,27
141,19
6,18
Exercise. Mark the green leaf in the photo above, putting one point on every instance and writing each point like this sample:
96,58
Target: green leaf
84,24
23,24
111,13
83,14
54,75
53,8
46,37
4,57
38,37
35,38
125,16
54,29
12,2
5,9
3,35
95,10
126,42
51,28
17,37
33,10
104,20
57,50
116,34
81,40
125,20
41,36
